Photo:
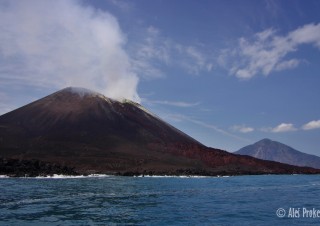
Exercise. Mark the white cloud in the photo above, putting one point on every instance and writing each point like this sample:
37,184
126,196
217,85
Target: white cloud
281,128
267,52
156,51
242,128
180,118
308,34
311,125
172,103
194,61
215,128
123,5
288,64
62,43
146,53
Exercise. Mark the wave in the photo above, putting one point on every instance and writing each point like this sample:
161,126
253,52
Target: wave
172,176
61,176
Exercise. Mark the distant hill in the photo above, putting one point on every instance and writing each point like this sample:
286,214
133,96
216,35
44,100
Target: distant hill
90,133
275,151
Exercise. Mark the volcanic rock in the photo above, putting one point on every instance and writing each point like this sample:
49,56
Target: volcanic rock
91,133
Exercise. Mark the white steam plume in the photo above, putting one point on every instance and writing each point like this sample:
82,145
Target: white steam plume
45,43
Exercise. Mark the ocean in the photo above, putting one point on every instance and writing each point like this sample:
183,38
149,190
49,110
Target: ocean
115,200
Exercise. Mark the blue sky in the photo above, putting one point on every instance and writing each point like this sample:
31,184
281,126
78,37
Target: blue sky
228,73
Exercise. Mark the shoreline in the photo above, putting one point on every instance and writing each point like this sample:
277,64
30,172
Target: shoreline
83,176
61,176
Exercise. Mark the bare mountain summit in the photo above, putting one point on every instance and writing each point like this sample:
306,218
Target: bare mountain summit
275,151
91,133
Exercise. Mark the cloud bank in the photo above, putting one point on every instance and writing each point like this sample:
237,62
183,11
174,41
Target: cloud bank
283,127
242,129
311,125
179,118
63,43
156,51
267,51
172,103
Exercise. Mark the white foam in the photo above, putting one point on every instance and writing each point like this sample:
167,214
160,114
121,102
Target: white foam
4,176
60,176
182,176
171,176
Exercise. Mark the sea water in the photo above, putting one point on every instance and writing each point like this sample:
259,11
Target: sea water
112,200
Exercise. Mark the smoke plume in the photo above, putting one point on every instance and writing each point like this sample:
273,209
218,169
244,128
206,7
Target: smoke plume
45,43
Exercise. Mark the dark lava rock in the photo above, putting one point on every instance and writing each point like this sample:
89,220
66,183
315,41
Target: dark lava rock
32,168
91,133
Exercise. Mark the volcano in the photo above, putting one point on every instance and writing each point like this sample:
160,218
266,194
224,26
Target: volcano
91,133
275,151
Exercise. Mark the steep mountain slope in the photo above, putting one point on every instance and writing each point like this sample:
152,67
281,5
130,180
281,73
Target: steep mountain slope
272,150
89,132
